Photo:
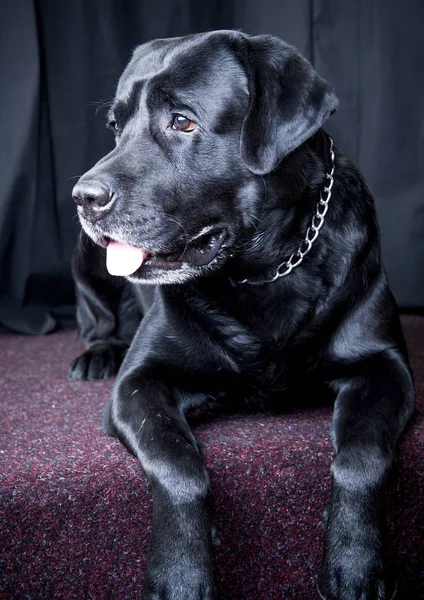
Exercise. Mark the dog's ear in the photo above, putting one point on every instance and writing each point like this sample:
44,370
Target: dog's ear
289,102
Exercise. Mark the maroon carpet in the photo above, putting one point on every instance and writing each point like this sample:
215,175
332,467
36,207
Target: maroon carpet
75,510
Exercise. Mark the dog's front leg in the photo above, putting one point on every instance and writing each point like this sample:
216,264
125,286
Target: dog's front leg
371,412
148,419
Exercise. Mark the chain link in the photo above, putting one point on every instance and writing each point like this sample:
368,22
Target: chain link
312,232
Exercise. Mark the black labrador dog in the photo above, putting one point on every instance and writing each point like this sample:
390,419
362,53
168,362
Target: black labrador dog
259,242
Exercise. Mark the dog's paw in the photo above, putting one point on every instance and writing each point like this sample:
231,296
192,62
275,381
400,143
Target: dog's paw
98,362
179,571
336,584
353,567
179,583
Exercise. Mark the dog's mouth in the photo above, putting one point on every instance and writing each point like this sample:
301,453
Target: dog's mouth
124,260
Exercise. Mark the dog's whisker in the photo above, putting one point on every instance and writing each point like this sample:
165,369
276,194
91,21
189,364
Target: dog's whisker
81,237
185,232
101,104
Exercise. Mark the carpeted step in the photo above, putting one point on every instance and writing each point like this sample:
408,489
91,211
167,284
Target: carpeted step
75,508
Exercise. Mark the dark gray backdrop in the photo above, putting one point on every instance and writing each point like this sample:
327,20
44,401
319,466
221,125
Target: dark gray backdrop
58,58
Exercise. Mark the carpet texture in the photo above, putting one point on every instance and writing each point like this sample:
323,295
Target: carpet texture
75,508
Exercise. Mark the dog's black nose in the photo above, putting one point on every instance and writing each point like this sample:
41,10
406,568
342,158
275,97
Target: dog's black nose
91,195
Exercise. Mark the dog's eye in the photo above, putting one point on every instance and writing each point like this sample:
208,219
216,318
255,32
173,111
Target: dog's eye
182,123
113,125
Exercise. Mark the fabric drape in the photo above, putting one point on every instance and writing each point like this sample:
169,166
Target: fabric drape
59,64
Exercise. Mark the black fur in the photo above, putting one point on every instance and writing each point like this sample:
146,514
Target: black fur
251,173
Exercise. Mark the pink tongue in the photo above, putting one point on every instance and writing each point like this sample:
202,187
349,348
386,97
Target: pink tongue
122,259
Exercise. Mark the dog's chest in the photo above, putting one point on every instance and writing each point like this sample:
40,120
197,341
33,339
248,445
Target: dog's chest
254,344
247,334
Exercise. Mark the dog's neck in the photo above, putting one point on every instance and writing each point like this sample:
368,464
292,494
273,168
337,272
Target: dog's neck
289,196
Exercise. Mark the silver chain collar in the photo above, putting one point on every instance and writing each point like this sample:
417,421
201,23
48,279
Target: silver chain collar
312,232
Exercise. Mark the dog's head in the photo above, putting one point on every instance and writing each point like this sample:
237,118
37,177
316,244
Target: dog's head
197,120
